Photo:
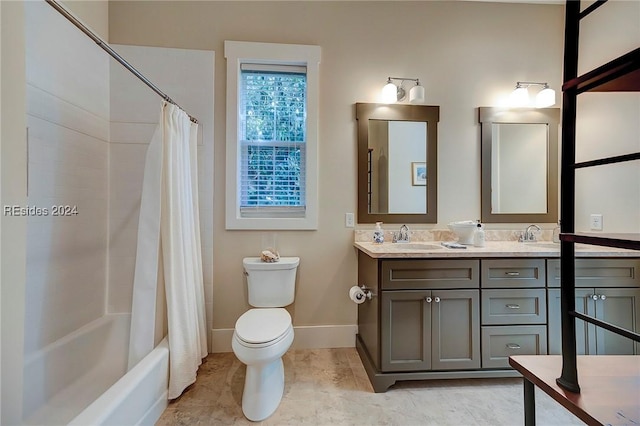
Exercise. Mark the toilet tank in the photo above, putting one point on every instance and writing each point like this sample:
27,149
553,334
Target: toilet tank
271,285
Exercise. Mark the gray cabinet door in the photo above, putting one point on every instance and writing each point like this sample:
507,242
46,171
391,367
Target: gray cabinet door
430,330
620,307
405,328
584,304
455,329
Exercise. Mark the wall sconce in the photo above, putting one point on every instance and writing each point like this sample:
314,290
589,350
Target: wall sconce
520,96
392,93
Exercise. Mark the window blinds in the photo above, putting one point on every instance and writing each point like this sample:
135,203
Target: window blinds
272,136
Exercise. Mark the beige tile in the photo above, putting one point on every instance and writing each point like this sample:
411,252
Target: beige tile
330,387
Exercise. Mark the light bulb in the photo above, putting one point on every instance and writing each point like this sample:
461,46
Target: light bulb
546,98
390,93
519,97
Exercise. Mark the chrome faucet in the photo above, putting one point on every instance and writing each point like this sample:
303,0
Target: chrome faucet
402,236
528,236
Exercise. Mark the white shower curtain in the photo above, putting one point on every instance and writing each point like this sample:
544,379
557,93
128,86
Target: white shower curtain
169,250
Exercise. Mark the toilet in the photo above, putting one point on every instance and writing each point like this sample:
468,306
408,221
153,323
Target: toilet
263,334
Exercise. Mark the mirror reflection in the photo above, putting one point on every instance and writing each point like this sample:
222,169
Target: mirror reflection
519,164
397,163
519,168
397,166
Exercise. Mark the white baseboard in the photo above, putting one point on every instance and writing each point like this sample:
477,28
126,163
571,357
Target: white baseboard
306,337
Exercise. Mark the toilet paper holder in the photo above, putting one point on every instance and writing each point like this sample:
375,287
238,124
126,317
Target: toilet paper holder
367,292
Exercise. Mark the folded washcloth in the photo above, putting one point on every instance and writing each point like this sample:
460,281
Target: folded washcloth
454,245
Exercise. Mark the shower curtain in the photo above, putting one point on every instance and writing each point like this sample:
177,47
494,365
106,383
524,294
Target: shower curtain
169,251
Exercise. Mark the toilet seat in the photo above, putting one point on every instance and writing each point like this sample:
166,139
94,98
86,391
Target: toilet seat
263,326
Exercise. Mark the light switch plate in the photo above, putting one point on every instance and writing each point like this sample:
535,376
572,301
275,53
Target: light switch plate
596,222
348,220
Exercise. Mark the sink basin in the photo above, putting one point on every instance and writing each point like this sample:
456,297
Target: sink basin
417,246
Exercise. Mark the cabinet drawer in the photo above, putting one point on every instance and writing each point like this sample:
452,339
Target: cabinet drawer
517,306
598,272
499,343
428,274
501,273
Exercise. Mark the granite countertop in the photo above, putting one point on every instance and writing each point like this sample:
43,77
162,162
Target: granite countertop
435,249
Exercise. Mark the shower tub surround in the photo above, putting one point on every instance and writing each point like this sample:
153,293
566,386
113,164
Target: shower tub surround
81,379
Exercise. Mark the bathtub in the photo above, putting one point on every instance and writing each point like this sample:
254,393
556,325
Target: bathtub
80,379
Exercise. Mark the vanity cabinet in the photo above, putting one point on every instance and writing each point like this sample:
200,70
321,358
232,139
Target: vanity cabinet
608,289
423,320
462,317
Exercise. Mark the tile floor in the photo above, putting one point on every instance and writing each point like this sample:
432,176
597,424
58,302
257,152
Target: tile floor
330,387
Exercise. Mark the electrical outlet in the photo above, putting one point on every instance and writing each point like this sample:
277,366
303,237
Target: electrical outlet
348,220
596,222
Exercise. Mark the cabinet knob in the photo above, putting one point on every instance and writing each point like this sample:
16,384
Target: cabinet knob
428,299
437,299
513,346
594,296
512,306
603,297
513,274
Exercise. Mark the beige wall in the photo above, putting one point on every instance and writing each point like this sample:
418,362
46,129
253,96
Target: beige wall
466,54
92,13
13,190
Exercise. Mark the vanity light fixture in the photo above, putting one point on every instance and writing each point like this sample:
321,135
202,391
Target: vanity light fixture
520,96
392,93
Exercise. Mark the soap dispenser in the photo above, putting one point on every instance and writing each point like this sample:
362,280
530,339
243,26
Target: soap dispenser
378,234
478,236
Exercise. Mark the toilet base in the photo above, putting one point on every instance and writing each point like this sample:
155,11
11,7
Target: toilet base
263,390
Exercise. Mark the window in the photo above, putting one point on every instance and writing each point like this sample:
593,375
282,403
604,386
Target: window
272,131
272,93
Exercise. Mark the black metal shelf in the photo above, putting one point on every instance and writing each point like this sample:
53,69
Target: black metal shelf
607,326
591,8
619,75
622,74
624,241
609,160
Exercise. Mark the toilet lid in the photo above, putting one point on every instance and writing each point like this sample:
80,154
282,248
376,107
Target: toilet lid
262,325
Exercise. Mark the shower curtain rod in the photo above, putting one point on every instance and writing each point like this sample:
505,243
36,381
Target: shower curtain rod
93,36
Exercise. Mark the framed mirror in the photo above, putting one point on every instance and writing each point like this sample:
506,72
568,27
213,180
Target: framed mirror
397,163
519,165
